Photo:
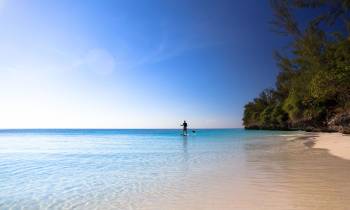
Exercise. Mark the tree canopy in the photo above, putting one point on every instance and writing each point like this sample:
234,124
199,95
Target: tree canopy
314,79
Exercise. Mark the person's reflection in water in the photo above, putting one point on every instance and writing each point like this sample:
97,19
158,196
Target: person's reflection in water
184,144
185,153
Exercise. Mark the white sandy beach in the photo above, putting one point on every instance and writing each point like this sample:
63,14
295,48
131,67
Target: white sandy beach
336,143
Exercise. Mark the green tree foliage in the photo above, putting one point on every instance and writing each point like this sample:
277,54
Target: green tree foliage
314,79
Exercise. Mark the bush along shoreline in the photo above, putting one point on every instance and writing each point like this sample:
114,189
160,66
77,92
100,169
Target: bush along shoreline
312,90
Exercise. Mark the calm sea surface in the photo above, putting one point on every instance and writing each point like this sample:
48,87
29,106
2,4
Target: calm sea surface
160,169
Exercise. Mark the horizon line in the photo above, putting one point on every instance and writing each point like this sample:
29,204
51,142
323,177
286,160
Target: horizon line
113,128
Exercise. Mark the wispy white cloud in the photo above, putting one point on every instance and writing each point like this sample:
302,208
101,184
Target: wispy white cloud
163,51
171,45
93,61
99,61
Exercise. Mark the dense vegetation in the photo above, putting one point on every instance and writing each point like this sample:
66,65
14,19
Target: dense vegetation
313,85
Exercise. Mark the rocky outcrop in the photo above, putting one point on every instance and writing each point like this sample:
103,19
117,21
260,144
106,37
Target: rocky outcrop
340,122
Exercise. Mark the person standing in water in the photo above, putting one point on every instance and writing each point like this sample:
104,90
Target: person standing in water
184,125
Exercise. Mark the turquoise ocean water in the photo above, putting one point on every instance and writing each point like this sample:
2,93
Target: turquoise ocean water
145,169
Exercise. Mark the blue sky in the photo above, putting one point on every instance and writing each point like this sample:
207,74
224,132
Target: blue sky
132,64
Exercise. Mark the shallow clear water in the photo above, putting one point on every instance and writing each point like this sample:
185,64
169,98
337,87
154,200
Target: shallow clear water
160,169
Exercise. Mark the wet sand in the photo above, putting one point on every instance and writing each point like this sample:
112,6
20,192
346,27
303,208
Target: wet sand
337,144
275,173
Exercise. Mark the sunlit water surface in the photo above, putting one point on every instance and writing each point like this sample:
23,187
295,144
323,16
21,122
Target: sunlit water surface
160,169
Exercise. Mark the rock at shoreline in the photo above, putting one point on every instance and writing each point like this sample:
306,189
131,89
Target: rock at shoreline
340,122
